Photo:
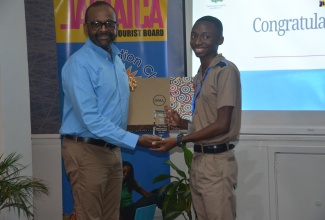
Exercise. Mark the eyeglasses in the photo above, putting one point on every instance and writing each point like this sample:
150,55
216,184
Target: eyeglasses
97,25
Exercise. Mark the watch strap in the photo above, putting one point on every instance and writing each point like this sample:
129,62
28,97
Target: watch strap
180,143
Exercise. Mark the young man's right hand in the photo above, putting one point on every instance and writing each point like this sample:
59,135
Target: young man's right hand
172,117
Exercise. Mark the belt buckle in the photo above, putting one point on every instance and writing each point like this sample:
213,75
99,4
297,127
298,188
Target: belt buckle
216,149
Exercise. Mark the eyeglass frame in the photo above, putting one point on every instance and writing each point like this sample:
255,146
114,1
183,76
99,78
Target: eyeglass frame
103,23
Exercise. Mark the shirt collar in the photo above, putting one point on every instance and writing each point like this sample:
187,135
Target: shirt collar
216,60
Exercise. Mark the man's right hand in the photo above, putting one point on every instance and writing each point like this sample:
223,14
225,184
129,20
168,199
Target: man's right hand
147,139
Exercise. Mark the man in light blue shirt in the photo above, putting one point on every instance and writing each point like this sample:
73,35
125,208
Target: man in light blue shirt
95,114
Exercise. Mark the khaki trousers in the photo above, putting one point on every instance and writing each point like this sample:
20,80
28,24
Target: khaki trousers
213,180
95,174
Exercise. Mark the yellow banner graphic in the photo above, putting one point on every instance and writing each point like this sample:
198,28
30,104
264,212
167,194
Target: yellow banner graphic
138,20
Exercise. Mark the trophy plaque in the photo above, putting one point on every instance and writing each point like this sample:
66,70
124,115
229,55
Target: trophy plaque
160,128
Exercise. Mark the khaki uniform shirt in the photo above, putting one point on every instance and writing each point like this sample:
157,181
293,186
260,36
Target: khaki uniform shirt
221,87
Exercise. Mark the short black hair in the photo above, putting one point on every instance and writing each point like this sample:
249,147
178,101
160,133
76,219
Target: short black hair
217,23
96,4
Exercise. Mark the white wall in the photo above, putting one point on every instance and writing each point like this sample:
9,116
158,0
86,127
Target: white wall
258,187
47,166
257,192
15,126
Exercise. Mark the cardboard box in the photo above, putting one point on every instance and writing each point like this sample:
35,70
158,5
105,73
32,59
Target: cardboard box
151,94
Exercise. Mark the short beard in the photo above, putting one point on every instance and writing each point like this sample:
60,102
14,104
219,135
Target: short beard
111,36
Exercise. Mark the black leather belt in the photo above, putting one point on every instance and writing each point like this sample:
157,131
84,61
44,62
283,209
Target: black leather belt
213,149
92,141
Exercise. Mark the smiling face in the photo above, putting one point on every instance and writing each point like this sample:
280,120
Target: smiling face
104,36
205,39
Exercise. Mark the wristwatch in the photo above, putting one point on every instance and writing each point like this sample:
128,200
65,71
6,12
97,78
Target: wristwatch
180,143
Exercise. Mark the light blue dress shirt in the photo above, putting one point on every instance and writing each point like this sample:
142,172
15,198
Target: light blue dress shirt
96,96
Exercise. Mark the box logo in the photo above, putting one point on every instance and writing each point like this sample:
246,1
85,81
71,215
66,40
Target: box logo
159,100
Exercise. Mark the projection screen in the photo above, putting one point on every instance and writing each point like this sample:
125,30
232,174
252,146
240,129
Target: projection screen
279,48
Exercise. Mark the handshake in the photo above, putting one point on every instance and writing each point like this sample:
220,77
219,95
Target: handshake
157,143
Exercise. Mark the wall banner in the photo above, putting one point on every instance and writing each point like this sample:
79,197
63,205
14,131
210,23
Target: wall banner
142,33
142,40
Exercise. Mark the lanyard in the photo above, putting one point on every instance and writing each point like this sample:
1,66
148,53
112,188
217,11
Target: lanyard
199,90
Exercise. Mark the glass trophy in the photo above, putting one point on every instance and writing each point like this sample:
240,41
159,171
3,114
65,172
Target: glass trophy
160,128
